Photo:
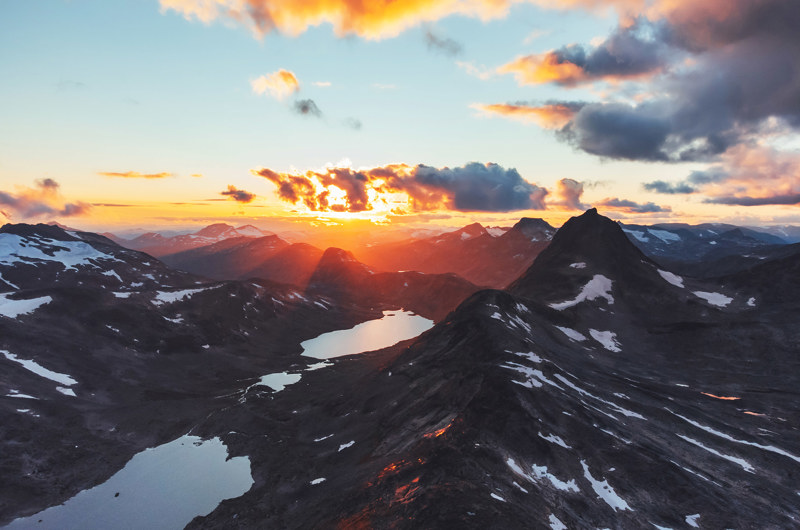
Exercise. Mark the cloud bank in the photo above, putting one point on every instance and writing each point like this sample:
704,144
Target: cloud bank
472,187
43,200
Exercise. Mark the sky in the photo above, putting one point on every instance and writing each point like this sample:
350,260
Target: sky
119,114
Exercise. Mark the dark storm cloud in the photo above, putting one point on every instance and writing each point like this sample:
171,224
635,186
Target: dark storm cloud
238,195
669,188
307,107
629,52
718,71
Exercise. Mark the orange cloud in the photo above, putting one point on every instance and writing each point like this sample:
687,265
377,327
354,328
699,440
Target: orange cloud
278,84
548,116
135,175
371,20
544,68
388,18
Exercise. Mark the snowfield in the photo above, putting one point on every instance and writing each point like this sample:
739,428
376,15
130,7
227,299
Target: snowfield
598,287
17,249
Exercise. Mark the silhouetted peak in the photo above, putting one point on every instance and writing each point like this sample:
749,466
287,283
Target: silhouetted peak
532,228
587,244
337,255
472,230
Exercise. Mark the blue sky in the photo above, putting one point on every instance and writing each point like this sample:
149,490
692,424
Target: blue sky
130,87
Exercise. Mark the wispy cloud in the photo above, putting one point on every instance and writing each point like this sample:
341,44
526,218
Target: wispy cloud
549,115
628,206
481,72
353,123
444,45
135,175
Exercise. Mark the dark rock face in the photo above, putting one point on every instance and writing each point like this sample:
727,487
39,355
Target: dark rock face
600,390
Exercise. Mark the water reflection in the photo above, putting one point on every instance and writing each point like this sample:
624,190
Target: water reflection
163,487
394,327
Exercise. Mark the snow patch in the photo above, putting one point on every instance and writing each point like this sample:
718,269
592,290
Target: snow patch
579,265
605,491
14,308
638,235
556,524
770,448
607,338
717,299
496,231
519,487
751,302
8,282
740,461
40,370
345,446
168,297
535,378
318,481
598,287
552,438
691,520
540,473
12,393
122,295
663,235
112,274
66,391
323,438
497,497
572,334
674,279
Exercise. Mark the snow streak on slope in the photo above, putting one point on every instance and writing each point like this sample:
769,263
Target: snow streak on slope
598,287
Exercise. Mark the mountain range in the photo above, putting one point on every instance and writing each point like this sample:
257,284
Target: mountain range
600,389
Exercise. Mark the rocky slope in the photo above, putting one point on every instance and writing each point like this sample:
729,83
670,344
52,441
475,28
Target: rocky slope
600,391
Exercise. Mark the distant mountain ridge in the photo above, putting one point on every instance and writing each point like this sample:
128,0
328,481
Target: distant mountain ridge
471,252
157,245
